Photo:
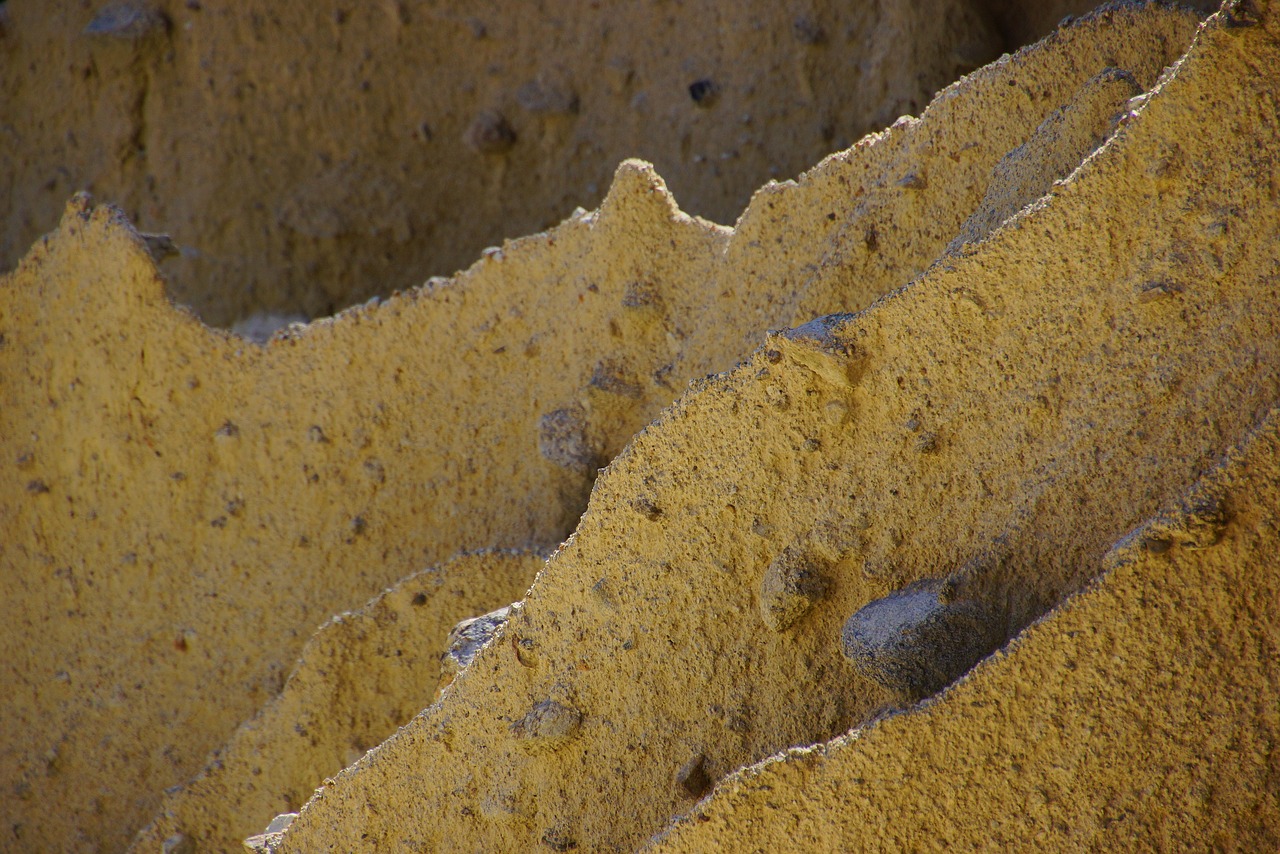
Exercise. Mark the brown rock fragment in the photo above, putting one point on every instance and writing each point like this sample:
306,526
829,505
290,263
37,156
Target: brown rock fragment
547,725
692,777
1198,523
490,133
793,582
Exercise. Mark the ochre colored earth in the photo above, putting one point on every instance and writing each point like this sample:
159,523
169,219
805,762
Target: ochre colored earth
932,503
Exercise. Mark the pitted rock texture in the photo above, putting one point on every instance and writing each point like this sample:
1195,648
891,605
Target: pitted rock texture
1005,416
1019,358
306,155
359,677
349,453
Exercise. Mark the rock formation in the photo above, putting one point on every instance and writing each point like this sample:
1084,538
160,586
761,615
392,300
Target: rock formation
359,677
999,383
305,156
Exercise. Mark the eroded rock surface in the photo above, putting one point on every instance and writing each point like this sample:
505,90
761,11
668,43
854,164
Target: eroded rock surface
307,155
1161,709
359,677
1022,372
1017,413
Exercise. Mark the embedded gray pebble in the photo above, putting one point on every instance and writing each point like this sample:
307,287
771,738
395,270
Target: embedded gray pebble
610,378
159,246
559,839
562,438
808,31
468,638
913,643
128,21
704,92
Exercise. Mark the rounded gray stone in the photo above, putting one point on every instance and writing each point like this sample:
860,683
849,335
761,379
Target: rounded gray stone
914,643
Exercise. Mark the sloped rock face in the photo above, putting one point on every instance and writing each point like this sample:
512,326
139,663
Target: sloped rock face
360,676
308,155
1044,376
1044,308
1134,715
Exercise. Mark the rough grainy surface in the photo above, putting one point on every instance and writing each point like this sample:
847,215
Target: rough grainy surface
305,155
1142,715
206,503
358,678
1046,405
1053,151
1053,365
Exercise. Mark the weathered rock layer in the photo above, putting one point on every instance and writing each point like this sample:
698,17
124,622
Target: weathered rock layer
1016,333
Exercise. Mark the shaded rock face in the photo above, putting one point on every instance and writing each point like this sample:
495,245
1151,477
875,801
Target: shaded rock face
1043,311
307,155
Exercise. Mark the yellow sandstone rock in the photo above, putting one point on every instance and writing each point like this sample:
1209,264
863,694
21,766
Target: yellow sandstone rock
1044,309
306,155
358,678
1140,715
1065,407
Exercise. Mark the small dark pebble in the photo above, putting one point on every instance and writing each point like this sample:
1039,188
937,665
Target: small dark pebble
703,92
808,31
693,778
490,133
647,508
